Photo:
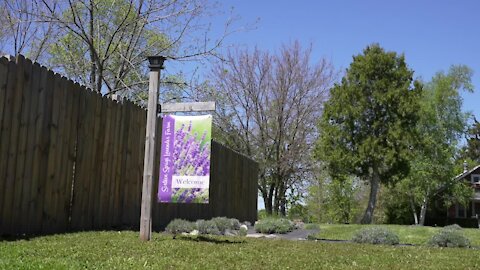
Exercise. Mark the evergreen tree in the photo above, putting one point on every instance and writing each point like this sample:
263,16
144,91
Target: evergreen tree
368,124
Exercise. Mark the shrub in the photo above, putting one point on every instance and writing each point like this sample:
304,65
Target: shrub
177,226
274,225
452,227
222,224
449,236
243,230
262,213
235,224
207,227
376,235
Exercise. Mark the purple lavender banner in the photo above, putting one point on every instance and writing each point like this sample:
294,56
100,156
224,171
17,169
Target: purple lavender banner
185,159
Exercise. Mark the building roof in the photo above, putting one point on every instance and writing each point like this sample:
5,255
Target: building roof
466,173
457,178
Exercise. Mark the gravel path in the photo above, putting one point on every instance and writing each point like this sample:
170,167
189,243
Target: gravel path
299,234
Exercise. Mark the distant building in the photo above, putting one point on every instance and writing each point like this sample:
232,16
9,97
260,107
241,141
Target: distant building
459,214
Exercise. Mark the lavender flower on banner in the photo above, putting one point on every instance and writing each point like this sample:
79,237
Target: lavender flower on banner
190,195
192,155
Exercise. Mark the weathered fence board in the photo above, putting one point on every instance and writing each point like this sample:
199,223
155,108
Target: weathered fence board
9,136
3,166
40,156
30,189
23,138
71,159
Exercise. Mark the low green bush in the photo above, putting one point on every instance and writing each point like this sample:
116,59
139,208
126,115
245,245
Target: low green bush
449,236
235,224
207,227
274,225
222,223
376,235
178,226
243,231
452,227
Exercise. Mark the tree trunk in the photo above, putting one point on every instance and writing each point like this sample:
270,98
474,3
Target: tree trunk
280,201
346,213
99,78
372,201
268,200
276,203
93,67
423,211
268,206
283,201
414,211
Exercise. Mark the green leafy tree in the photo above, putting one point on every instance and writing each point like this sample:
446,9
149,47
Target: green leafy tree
315,201
336,200
298,211
369,121
440,127
340,201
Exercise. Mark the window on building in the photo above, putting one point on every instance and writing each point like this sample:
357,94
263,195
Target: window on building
476,209
461,211
476,178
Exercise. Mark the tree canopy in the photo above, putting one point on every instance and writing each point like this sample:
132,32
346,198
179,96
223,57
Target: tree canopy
368,124
267,105
103,44
441,125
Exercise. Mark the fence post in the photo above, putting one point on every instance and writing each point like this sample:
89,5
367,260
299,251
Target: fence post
156,64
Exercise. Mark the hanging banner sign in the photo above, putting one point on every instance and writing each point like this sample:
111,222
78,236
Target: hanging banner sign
185,159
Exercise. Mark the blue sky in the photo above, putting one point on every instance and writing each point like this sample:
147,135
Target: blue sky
433,35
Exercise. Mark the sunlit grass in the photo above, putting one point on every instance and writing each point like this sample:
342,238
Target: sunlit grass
417,235
123,250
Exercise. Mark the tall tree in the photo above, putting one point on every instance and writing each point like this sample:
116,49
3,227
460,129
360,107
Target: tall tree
369,121
267,105
441,125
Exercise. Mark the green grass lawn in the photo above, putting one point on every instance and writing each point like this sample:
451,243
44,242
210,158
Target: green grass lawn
123,250
417,235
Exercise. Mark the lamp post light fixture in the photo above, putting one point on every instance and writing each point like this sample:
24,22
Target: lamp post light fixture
156,62
155,65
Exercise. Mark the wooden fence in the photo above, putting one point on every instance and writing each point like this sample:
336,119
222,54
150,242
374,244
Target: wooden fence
71,159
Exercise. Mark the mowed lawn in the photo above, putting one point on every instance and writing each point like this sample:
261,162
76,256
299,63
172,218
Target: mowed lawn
123,250
417,235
